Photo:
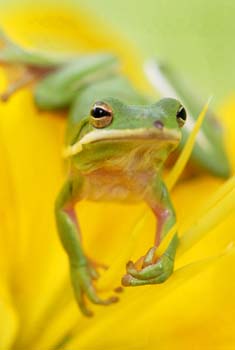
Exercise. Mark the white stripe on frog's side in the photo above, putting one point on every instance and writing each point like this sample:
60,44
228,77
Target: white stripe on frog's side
162,85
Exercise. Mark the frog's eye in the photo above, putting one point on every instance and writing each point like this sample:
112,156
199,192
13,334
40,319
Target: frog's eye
181,116
101,115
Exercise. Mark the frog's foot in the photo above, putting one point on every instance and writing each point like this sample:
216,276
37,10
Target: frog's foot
24,77
16,85
148,270
82,279
95,266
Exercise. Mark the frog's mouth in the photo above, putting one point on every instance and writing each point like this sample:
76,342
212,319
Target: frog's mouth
168,135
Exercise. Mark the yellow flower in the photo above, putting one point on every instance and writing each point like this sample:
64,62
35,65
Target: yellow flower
195,308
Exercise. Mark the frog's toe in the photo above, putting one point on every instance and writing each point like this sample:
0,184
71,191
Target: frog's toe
82,304
94,267
130,281
97,264
94,298
149,257
118,289
84,288
151,274
91,293
144,261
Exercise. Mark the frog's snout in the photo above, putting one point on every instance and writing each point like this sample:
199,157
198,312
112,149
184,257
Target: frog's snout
158,124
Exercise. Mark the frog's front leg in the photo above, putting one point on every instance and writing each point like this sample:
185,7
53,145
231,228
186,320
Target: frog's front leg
82,271
154,270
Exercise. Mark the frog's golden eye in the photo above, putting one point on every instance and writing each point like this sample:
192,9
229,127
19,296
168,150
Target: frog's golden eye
101,115
181,116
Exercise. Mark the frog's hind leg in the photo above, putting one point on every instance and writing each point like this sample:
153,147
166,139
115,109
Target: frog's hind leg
21,66
13,86
150,269
19,77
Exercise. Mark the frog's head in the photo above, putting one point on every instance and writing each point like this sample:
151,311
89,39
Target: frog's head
110,120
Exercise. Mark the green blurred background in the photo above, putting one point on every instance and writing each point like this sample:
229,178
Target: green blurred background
196,36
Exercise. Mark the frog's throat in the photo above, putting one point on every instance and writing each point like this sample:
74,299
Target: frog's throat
172,136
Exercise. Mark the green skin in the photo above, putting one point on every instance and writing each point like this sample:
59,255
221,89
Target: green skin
120,160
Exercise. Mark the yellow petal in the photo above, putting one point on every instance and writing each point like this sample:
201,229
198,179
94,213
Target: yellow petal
8,320
138,322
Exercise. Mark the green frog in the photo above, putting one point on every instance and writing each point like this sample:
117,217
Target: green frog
116,145
116,152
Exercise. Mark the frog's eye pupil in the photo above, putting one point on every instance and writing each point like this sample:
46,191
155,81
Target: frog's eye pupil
181,116
99,112
101,115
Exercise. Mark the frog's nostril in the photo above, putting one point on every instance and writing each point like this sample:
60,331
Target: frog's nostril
158,124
